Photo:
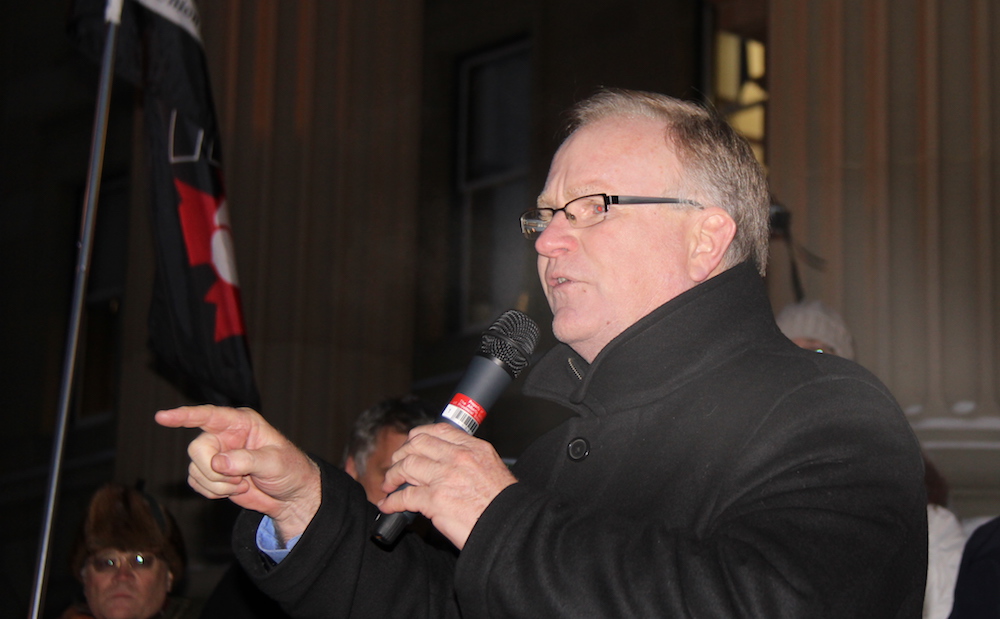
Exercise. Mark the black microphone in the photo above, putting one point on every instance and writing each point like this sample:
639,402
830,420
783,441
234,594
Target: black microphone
504,352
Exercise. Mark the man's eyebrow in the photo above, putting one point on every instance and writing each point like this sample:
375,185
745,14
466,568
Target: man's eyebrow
577,192
541,202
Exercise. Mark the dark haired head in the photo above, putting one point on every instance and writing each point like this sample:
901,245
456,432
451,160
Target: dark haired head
400,414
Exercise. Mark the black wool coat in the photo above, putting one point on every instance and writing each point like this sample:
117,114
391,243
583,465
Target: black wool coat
713,469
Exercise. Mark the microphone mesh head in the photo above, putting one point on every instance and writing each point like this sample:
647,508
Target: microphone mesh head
510,339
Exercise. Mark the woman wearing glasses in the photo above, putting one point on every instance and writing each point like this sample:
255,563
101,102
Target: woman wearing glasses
128,555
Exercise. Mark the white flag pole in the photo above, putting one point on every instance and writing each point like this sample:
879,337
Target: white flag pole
112,16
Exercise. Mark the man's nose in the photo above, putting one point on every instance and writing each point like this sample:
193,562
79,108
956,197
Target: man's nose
558,234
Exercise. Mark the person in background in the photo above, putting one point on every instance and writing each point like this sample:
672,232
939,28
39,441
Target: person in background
375,435
977,592
946,539
129,555
816,326
711,468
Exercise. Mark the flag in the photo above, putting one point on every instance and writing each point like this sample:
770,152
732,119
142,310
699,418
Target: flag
196,327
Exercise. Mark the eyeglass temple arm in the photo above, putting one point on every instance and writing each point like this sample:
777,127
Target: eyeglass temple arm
646,200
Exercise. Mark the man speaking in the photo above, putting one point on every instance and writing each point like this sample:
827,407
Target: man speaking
712,468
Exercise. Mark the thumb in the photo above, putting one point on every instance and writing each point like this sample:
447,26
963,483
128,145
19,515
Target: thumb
237,463
264,463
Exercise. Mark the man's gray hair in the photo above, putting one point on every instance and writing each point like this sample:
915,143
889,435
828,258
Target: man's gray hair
721,169
401,414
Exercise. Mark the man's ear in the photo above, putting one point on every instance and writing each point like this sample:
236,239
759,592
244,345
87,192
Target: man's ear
350,467
170,581
712,234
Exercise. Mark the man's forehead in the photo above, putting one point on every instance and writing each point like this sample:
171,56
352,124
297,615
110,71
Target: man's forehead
579,167
610,156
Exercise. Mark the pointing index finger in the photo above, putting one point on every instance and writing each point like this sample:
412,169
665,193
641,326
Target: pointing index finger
212,419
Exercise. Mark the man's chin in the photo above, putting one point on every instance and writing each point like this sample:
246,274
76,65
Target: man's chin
571,333
564,329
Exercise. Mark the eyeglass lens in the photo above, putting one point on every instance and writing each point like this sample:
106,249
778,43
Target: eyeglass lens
581,213
586,211
107,562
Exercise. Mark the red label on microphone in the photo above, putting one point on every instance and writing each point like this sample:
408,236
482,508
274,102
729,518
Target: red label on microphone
465,412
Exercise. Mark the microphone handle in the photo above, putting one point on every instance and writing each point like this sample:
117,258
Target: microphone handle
486,379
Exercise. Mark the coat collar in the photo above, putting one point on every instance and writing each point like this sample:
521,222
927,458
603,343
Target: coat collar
687,336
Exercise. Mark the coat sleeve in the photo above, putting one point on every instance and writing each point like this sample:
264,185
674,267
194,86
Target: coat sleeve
817,510
336,570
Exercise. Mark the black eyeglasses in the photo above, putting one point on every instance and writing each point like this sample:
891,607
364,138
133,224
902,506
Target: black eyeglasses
111,561
586,211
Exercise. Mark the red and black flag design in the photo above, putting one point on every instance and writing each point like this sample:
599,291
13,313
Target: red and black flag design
196,320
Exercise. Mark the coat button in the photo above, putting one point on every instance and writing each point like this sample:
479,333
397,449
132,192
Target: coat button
578,449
